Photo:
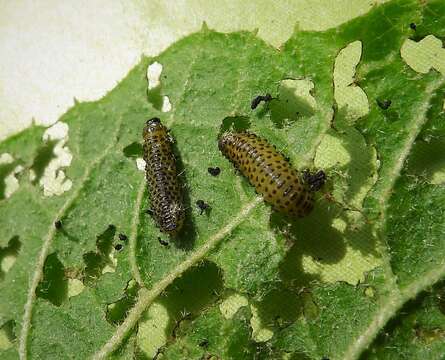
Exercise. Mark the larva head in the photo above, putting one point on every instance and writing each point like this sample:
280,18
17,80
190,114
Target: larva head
151,125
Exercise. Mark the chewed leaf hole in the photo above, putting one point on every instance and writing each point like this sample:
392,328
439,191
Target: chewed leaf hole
295,100
97,261
117,311
427,159
5,170
7,335
197,288
235,123
44,156
134,150
54,285
154,88
8,255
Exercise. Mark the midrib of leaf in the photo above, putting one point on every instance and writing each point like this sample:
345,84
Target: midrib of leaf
396,297
146,297
38,271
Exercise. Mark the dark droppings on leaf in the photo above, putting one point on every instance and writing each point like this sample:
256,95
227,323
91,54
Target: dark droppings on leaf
214,171
203,206
118,247
257,100
123,237
163,242
384,104
58,224
413,26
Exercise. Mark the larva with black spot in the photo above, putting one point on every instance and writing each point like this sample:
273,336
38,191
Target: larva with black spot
162,179
269,172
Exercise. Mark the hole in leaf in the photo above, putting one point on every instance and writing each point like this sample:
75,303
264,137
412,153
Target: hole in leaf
134,150
295,100
310,308
427,159
44,155
96,261
117,311
7,335
279,308
5,170
369,292
315,240
54,286
154,71
235,123
8,255
190,294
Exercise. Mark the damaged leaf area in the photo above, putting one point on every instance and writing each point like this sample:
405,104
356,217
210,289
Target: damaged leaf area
85,272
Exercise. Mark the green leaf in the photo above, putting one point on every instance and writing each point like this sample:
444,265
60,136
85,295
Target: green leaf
82,261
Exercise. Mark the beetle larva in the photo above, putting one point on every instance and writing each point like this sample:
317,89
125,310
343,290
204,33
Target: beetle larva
162,179
269,172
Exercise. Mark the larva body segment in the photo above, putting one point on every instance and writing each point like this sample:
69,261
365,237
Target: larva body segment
162,179
269,172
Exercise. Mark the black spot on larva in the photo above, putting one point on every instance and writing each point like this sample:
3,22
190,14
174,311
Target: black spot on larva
58,224
384,104
214,171
293,200
256,101
118,247
123,237
162,179
413,26
203,206
162,242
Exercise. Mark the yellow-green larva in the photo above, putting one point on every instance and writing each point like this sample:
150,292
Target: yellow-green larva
269,172
162,179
